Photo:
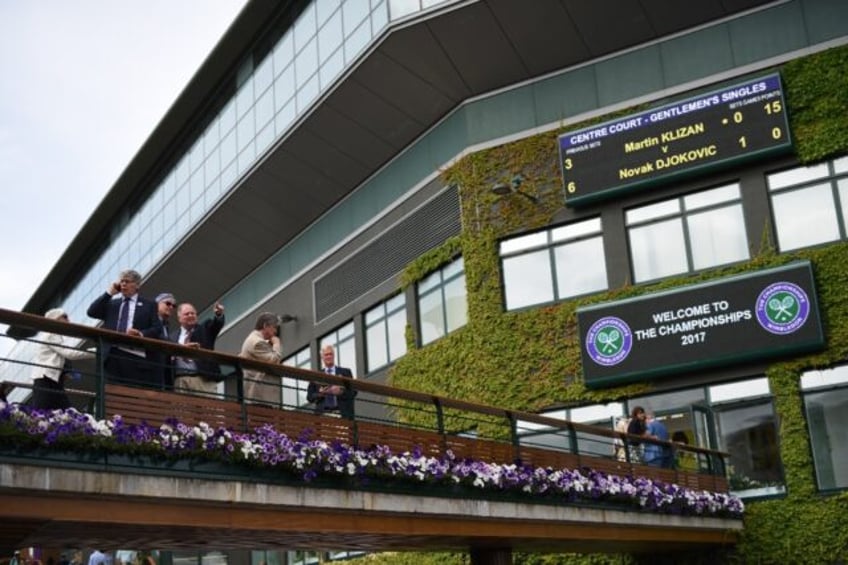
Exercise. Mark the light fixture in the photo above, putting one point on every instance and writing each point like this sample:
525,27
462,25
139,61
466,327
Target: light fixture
504,189
286,318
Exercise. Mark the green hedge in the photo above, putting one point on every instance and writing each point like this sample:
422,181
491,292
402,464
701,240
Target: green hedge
530,360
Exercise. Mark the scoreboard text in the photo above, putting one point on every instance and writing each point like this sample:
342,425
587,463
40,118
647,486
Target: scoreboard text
710,130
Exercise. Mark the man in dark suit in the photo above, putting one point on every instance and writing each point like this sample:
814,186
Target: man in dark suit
133,315
196,375
332,399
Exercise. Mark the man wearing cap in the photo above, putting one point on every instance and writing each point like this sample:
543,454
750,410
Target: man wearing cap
195,374
51,355
124,310
165,304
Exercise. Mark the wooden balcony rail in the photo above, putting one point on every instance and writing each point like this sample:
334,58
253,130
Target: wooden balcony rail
383,415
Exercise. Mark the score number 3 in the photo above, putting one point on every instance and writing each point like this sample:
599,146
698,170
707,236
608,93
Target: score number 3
567,165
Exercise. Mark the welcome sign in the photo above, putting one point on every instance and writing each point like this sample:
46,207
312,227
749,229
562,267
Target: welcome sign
731,320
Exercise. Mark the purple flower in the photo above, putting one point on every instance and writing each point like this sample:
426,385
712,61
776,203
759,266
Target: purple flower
311,459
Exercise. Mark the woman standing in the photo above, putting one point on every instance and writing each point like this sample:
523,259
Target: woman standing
637,427
51,353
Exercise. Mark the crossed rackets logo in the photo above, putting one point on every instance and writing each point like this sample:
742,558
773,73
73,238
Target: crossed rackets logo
782,308
609,341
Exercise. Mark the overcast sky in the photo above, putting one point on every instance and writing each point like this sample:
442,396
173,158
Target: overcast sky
84,82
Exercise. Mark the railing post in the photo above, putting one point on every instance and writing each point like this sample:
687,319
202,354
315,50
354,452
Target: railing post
572,439
513,433
239,374
440,423
354,425
100,397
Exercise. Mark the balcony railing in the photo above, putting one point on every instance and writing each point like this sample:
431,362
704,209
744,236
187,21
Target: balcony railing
383,415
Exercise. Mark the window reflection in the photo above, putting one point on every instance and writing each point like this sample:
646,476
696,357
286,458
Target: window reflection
749,434
805,217
697,231
658,250
554,264
828,425
385,332
343,342
294,390
528,279
442,302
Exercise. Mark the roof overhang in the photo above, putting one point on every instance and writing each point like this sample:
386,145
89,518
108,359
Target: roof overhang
416,73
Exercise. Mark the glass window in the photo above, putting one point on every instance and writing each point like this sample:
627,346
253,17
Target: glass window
284,52
325,8
246,130
379,17
244,98
809,204
697,231
228,148
442,302
735,417
330,36
264,109
555,264
263,75
401,8
825,396
331,68
528,279
805,217
357,40
307,93
354,12
344,343
294,390
305,26
284,87
306,63
385,332
748,432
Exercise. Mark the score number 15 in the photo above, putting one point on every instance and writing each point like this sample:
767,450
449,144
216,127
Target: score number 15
773,107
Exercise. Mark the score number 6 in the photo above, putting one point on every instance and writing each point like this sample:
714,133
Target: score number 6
567,165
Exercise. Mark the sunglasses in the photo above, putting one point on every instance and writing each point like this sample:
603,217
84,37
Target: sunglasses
171,304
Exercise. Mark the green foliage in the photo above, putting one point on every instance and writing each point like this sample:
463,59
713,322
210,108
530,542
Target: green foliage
817,96
530,360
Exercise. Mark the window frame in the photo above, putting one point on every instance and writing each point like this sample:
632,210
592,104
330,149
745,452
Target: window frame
682,215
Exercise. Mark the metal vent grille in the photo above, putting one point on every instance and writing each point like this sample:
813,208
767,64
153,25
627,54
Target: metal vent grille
424,229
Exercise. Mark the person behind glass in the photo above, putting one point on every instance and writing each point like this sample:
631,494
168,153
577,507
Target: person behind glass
197,374
263,344
123,310
49,361
636,427
657,454
331,399
165,304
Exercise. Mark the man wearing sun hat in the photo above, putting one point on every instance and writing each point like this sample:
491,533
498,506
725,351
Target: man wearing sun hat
51,354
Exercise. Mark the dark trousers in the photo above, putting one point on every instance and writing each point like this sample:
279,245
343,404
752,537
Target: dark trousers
122,367
47,394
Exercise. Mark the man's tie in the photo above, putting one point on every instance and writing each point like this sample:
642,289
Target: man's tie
123,315
330,400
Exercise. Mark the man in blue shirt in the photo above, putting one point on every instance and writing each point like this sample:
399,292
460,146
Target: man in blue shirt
657,455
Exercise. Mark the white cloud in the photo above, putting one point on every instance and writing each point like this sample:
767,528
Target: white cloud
84,84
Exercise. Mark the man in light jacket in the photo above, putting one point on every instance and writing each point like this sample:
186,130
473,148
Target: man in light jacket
51,354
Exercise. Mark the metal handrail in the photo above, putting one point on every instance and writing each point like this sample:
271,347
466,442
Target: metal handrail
401,400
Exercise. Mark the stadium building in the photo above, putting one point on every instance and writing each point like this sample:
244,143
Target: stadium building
560,206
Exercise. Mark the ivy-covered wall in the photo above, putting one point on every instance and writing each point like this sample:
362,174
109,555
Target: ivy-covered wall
530,360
